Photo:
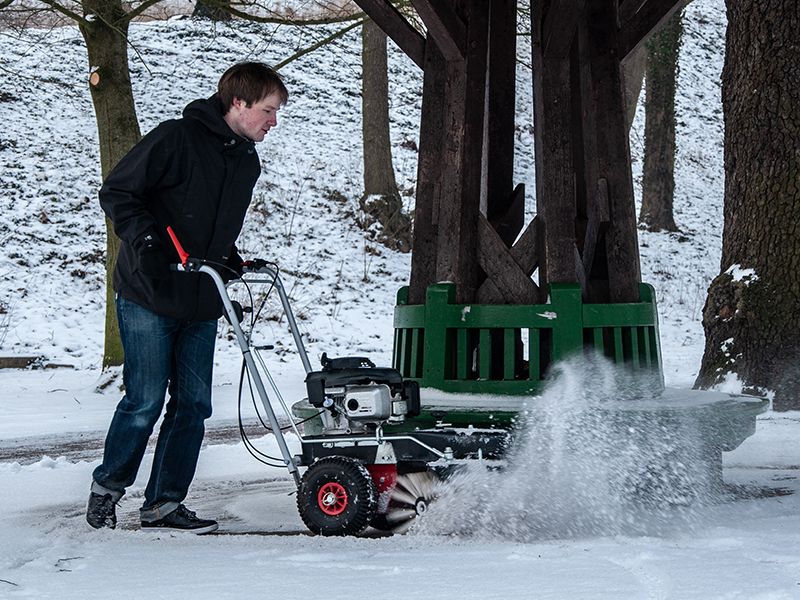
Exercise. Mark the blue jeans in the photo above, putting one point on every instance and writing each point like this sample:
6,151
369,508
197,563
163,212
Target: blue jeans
160,354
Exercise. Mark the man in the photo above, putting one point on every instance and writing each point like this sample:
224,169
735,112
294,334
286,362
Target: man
195,174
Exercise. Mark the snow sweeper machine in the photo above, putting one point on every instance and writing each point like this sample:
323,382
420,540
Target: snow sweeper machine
375,454
366,462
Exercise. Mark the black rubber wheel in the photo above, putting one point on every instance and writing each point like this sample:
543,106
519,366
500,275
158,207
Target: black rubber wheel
336,497
410,499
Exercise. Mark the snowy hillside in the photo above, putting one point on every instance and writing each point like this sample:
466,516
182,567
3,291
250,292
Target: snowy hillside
564,540
303,215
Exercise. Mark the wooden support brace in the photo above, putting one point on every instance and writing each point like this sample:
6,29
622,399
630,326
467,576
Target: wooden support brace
506,275
526,250
581,271
445,27
639,18
386,16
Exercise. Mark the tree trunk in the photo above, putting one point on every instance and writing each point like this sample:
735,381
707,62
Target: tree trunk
658,185
118,130
214,10
381,201
752,318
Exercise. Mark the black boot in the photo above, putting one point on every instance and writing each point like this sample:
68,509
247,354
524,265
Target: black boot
101,511
181,519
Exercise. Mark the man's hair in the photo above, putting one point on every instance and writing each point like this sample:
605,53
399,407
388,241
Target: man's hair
251,82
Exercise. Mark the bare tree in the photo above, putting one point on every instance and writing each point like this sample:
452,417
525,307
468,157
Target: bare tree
658,185
752,314
381,200
104,25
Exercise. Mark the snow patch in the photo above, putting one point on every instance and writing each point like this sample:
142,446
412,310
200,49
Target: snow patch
738,273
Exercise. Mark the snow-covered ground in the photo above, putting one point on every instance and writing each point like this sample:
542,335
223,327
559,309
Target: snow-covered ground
743,544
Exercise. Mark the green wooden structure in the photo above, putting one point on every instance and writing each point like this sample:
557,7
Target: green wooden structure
507,349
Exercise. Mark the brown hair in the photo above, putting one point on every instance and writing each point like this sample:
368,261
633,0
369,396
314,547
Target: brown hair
251,82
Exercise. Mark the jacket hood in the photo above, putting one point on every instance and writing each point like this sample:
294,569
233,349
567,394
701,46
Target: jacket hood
209,113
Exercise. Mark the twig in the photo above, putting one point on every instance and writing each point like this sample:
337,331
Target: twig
319,44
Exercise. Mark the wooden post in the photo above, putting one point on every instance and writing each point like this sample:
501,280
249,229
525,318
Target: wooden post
432,138
457,259
555,174
504,209
613,152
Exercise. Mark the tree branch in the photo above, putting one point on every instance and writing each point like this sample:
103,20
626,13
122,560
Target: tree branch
319,44
133,13
65,11
290,21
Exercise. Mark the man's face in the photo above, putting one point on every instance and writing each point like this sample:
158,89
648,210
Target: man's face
254,121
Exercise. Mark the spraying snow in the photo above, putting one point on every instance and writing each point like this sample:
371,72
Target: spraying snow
596,454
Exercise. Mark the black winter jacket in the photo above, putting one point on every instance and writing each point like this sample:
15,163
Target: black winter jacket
196,175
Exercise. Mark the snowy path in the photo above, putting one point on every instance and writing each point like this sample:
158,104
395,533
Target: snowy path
744,547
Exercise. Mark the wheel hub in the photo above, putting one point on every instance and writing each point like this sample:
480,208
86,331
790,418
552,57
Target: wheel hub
332,498
420,506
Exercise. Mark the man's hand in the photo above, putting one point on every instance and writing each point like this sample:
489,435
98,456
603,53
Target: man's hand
235,267
153,262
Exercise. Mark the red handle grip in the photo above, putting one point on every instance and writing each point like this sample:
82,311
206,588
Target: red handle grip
184,256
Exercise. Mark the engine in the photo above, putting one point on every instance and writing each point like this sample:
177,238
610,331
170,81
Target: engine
359,395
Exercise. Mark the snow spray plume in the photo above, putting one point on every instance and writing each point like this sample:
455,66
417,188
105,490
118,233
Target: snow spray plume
598,453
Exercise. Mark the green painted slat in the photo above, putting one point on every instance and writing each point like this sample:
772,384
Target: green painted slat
414,366
399,357
509,353
408,366
655,350
647,353
462,355
533,354
396,351
485,353
634,333
618,350
598,339
617,315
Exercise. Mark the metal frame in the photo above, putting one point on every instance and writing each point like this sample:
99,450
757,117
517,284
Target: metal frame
290,461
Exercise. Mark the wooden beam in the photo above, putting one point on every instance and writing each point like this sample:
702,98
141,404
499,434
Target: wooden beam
448,155
559,26
527,250
445,27
500,267
555,173
640,18
387,17
432,138
509,222
598,221
458,256
613,152
489,293
580,272
505,206
628,8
